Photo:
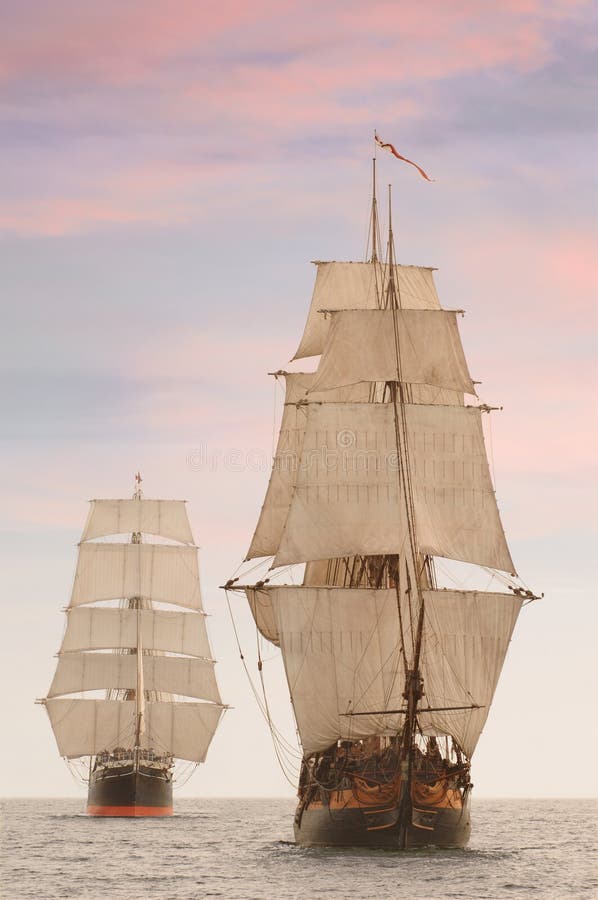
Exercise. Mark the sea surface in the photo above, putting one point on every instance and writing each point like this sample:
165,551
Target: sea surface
243,850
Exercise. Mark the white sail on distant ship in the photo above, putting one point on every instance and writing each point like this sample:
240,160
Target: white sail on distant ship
135,688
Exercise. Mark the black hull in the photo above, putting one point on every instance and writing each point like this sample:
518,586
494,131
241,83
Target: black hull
323,826
122,791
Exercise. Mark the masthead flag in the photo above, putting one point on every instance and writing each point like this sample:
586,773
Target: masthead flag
380,143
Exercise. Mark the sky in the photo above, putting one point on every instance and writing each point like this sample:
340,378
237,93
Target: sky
169,170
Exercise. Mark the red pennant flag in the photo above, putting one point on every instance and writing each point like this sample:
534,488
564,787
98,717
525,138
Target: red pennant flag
392,150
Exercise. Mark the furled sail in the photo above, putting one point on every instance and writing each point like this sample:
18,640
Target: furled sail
166,518
356,285
88,671
162,572
345,666
361,346
88,727
346,496
98,628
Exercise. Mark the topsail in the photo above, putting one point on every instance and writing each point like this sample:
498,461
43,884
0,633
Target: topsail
356,285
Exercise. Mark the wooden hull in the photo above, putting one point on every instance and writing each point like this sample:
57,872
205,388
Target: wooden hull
339,819
122,791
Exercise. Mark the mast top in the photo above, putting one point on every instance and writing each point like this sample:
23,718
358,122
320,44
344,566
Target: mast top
138,493
374,226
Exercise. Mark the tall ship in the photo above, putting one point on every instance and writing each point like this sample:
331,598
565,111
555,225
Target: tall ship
134,702
380,478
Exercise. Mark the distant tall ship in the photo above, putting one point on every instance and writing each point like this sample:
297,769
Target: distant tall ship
381,469
124,698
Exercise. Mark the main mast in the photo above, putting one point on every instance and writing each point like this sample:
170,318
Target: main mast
410,569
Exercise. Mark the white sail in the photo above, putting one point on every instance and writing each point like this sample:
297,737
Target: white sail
466,637
160,572
98,628
286,460
263,612
186,676
355,285
166,518
346,495
361,346
103,644
88,727
284,473
296,385
342,654
185,729
341,651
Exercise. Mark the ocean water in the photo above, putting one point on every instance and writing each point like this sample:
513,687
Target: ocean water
243,850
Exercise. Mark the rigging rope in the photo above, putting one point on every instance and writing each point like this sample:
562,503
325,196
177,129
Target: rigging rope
278,740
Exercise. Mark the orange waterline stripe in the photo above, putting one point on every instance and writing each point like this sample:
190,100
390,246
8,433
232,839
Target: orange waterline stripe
133,811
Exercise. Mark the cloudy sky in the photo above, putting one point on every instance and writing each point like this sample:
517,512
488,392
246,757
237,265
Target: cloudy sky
168,172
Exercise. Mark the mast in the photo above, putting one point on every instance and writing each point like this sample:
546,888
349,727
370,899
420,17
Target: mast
374,226
413,680
139,690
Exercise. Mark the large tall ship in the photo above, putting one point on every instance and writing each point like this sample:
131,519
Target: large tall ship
134,697
380,477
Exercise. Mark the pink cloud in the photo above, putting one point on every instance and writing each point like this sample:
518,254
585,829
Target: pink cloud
157,193
533,271
61,216
253,75
127,43
119,43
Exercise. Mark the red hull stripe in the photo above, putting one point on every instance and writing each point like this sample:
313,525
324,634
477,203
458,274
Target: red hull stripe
129,810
